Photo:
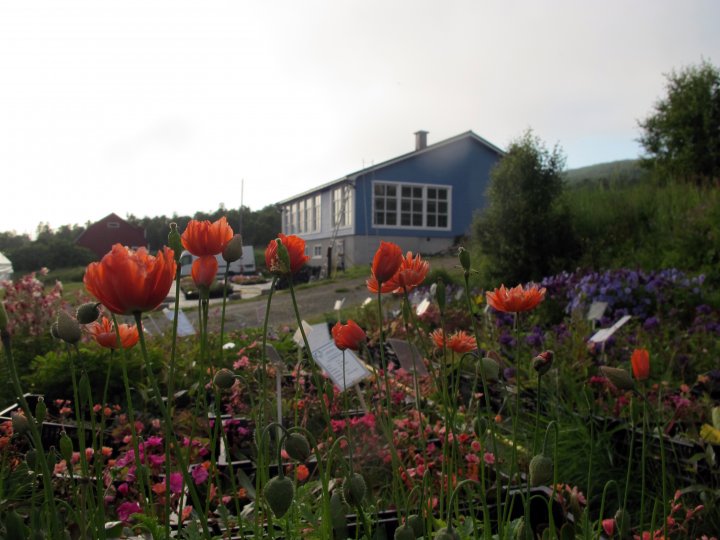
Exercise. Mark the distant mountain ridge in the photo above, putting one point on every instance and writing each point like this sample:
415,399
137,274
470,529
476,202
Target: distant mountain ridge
625,170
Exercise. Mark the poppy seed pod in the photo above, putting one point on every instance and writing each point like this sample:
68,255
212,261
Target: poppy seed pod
40,410
233,251
87,313
297,447
337,511
68,328
541,470
224,379
66,447
490,369
417,524
175,242
279,494
354,489
619,377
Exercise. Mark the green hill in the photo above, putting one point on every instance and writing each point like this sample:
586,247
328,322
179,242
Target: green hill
623,171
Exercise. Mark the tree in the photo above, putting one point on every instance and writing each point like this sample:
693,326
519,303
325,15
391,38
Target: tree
682,135
524,232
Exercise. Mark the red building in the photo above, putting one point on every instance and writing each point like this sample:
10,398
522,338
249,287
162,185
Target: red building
112,229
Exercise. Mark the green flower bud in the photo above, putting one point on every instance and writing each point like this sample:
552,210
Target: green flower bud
417,523
66,447
68,328
175,242
354,489
619,377
490,369
464,256
3,318
404,532
88,313
440,294
279,494
20,424
224,379
622,520
40,410
447,533
297,447
283,257
541,470
337,514
233,249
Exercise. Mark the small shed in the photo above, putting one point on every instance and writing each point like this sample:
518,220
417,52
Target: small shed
6,267
112,229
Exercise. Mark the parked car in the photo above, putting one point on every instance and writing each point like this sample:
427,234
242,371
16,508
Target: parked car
244,265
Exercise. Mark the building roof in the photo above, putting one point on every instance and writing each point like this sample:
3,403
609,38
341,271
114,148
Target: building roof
414,153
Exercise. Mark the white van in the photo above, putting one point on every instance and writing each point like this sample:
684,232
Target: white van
244,265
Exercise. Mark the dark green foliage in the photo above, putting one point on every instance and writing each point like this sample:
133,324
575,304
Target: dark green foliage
682,134
525,231
625,171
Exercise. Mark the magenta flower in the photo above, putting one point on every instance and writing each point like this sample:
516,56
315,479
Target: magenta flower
200,474
127,509
175,482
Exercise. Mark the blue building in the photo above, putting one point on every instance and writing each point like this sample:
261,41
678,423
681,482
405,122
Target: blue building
423,201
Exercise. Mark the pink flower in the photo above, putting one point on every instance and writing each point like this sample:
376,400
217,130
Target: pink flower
175,482
127,509
608,526
489,458
199,474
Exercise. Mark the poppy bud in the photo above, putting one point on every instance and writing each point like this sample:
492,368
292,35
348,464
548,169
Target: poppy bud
66,448
175,242
417,524
283,256
3,318
40,410
337,512
440,294
297,447
447,533
354,489
87,313
464,256
68,328
541,470
224,379
233,250
279,494
542,362
404,532
619,377
20,424
622,520
490,369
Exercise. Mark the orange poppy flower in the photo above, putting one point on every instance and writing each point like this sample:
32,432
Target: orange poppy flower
640,361
204,269
386,262
460,342
104,333
204,238
128,282
517,299
296,250
348,336
412,272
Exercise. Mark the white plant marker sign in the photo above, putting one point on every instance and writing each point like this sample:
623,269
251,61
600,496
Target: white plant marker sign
422,307
602,335
297,336
330,359
596,311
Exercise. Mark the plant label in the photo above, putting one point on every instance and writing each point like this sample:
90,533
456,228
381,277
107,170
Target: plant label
409,357
339,304
596,311
422,307
604,334
297,336
330,359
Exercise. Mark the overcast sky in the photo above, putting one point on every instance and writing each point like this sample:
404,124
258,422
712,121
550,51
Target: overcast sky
151,108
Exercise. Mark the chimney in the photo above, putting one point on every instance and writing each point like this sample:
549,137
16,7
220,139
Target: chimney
420,139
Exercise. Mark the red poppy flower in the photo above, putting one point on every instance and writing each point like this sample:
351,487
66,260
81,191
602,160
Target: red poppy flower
517,299
128,282
296,250
104,333
348,336
204,238
204,269
640,361
386,262
459,342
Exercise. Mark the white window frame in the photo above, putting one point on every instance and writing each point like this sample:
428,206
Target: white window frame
317,251
345,198
398,209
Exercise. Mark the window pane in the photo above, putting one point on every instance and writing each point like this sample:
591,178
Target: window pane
405,205
432,193
391,218
431,207
417,206
417,192
417,220
380,204
379,189
391,191
392,204
379,218
442,194
431,220
405,191
442,208
442,221
405,219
